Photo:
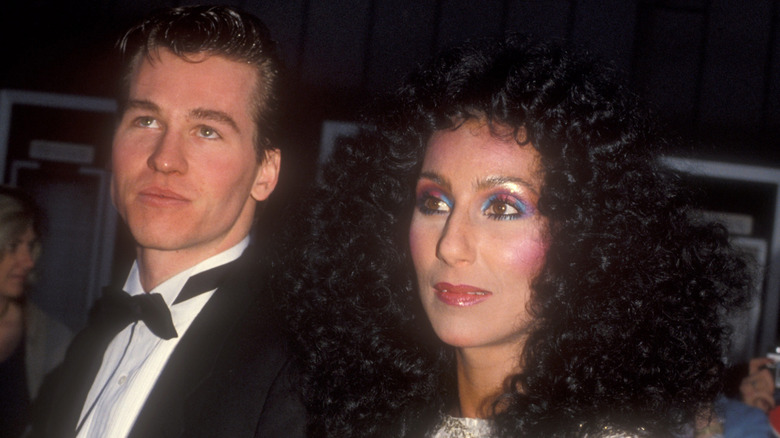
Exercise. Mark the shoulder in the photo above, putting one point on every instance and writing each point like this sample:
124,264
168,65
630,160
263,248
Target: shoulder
252,385
743,421
254,338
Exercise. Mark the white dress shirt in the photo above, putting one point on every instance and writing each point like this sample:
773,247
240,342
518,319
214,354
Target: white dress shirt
135,357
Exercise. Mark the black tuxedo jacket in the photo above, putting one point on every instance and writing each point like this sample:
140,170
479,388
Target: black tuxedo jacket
229,376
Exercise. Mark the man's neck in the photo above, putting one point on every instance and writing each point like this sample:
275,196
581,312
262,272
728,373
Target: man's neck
155,266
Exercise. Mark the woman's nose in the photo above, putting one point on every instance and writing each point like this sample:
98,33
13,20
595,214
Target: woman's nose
456,245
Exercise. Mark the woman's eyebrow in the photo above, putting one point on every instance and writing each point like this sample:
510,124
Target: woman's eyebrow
435,177
495,181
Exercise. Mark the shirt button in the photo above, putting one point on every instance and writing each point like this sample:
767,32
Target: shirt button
122,380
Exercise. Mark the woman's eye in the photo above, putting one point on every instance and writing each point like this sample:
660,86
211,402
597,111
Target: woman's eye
432,205
500,209
208,132
504,207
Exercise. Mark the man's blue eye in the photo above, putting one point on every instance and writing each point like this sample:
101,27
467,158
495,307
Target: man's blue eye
147,122
208,132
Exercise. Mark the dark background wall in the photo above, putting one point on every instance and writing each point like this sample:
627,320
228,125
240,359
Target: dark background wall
710,67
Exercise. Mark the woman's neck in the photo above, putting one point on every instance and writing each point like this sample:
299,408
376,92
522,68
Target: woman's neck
5,305
11,326
482,377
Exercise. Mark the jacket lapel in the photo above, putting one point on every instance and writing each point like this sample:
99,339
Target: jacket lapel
191,363
65,389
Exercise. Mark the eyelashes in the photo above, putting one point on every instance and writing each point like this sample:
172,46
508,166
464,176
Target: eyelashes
431,202
503,206
146,122
498,206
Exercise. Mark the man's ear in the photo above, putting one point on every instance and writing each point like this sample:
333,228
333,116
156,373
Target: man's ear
267,175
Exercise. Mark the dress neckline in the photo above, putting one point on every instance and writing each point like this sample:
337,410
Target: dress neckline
462,427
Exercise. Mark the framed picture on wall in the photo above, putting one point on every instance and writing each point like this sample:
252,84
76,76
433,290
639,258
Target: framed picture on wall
746,200
57,148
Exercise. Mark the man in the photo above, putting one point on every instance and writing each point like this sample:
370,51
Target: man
194,150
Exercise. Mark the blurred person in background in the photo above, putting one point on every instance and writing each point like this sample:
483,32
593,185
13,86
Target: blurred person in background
24,356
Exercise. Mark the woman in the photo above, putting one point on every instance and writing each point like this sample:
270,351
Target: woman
19,231
563,286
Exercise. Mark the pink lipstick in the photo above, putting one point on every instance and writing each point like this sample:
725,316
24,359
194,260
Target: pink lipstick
461,295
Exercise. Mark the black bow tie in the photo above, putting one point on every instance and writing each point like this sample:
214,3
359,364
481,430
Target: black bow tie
149,308
123,309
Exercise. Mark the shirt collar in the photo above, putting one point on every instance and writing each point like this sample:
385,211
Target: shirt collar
170,288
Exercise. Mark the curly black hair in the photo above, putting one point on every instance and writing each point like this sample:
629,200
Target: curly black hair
629,331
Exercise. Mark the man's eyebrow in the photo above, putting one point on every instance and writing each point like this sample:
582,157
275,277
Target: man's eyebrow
142,104
214,115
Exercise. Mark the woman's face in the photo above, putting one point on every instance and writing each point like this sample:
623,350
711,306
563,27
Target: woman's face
16,263
476,238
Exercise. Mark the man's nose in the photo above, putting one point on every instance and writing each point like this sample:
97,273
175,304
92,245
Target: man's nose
168,154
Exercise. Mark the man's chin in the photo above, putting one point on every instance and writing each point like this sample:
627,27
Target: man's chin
170,241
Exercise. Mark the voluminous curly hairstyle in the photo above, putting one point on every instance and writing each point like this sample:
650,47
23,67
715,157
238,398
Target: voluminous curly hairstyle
629,331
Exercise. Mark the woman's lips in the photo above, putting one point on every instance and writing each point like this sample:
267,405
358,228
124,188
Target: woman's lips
461,295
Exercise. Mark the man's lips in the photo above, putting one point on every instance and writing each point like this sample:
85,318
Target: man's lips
461,295
159,195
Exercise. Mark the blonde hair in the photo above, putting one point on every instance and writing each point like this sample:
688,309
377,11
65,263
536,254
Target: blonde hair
18,212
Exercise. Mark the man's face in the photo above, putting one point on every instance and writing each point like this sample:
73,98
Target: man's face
186,176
